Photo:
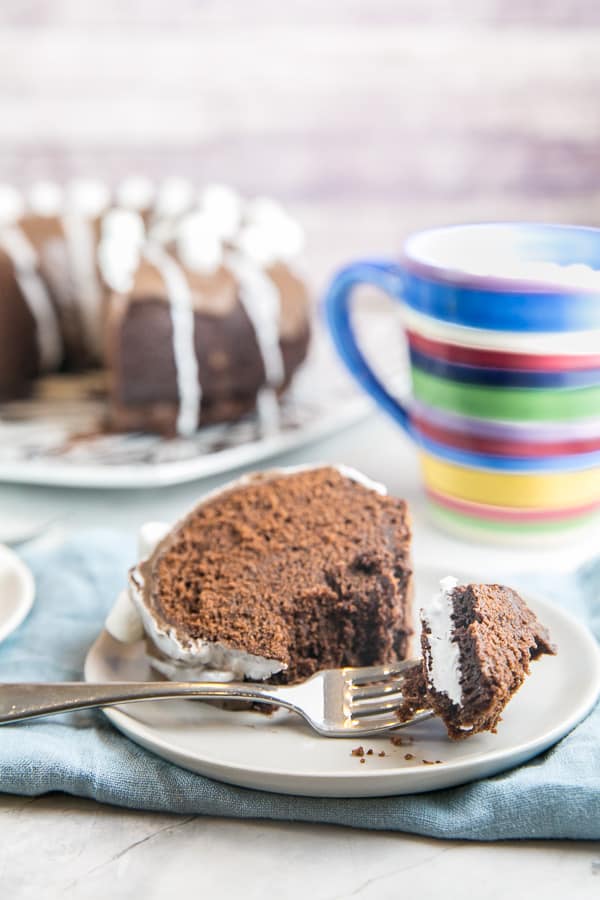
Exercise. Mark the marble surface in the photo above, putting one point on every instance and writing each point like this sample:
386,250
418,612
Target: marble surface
57,846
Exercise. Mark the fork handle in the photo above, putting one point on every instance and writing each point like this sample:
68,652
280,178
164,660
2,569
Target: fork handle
30,700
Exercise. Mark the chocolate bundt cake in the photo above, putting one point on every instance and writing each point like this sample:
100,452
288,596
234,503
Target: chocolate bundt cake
276,576
189,303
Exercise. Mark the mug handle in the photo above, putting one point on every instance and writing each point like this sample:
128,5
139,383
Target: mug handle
388,277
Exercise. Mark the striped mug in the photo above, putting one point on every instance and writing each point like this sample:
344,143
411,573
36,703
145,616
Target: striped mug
503,329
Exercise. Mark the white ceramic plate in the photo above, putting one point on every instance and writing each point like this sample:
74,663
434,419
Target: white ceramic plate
17,591
279,753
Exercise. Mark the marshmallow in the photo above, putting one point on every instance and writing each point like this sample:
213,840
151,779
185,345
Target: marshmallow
46,198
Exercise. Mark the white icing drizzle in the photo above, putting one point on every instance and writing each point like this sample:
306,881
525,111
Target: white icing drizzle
80,241
85,200
184,350
36,295
262,302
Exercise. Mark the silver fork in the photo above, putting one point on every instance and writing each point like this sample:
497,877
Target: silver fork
348,702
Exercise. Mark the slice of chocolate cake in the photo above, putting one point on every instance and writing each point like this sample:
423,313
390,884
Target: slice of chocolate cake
478,641
278,575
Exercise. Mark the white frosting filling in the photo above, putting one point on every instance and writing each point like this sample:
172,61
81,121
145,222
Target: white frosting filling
444,674
45,198
198,659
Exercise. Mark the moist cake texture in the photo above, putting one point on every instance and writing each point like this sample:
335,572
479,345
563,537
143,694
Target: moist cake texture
478,641
303,570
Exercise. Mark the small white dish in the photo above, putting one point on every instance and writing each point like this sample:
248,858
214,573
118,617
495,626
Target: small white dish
17,590
280,753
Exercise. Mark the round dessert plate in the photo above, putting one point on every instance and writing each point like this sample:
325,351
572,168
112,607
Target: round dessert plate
17,591
279,753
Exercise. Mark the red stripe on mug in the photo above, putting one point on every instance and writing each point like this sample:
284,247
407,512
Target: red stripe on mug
496,447
505,514
497,359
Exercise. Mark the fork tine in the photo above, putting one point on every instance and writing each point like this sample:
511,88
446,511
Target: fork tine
376,705
382,689
372,724
366,674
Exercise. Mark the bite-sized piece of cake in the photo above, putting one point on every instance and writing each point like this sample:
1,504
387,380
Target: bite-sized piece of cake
478,641
224,330
277,575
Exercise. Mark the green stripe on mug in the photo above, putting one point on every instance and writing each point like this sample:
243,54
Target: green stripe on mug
452,517
510,404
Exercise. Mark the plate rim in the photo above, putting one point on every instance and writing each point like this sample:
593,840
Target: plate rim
175,472
514,756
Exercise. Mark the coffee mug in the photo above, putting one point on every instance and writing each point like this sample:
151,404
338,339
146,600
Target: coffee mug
503,329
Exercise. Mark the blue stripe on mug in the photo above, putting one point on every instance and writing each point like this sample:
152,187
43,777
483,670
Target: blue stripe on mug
467,374
570,463
502,310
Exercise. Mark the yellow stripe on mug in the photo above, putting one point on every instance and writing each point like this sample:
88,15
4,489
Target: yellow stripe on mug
557,490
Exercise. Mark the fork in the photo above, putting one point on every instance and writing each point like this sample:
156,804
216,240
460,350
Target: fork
348,702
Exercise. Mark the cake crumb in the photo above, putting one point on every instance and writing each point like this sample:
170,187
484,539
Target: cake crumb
358,751
409,756
382,753
431,762
362,759
370,751
399,741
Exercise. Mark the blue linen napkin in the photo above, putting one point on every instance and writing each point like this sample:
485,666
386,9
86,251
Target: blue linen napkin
556,795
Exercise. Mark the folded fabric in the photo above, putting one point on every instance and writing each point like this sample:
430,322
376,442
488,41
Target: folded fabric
556,795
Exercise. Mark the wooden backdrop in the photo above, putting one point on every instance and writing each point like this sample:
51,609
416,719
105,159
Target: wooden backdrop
369,117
